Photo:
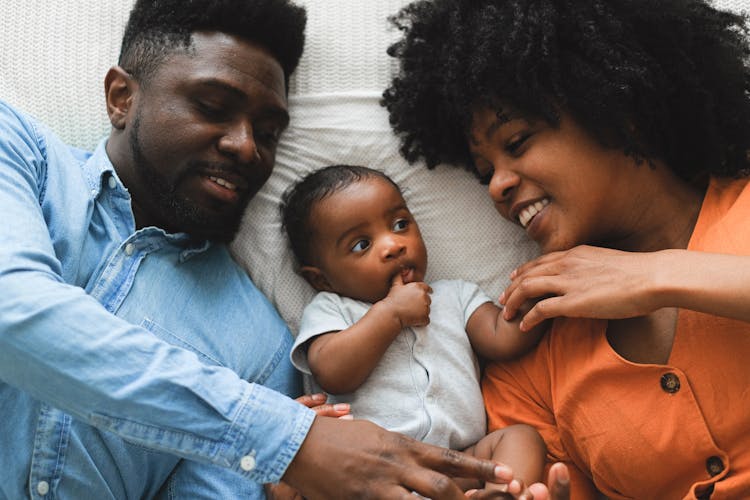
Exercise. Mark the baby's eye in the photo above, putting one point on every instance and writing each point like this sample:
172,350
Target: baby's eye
361,246
400,224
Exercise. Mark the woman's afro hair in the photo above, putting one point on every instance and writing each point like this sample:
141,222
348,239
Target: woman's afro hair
660,79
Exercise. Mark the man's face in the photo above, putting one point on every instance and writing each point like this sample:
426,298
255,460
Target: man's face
202,134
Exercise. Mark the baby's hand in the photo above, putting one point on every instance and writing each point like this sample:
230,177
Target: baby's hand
410,302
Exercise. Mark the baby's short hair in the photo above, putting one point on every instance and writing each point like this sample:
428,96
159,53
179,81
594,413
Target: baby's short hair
298,200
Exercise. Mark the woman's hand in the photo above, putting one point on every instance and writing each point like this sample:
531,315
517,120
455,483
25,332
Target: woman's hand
557,488
585,282
317,402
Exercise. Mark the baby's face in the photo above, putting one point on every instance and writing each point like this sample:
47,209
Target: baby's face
365,236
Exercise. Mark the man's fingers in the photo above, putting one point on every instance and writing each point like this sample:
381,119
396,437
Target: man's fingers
457,464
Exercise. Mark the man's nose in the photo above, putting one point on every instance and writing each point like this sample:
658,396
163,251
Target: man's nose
239,143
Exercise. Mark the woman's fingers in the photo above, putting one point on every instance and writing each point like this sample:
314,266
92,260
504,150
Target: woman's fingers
317,402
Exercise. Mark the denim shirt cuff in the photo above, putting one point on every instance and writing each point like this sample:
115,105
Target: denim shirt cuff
267,434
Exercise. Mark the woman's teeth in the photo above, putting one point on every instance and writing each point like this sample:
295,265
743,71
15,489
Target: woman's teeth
529,212
223,183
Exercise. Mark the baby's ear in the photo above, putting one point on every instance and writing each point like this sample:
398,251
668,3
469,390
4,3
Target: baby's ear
315,277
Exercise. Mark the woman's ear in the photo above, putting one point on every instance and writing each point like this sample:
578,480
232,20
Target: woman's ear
315,277
119,90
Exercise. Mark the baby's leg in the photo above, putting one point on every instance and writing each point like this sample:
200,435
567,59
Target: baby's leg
518,446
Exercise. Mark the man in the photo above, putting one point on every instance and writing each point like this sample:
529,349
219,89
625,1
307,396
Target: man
127,334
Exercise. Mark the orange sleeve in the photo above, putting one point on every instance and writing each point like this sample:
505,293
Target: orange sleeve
519,392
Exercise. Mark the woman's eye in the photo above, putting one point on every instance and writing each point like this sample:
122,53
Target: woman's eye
483,171
360,246
484,179
514,145
400,224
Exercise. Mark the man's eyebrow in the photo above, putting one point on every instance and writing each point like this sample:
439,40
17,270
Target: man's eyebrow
222,86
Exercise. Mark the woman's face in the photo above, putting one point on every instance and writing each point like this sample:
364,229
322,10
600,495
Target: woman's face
558,183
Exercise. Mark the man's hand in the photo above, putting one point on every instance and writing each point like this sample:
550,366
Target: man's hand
358,459
317,402
410,302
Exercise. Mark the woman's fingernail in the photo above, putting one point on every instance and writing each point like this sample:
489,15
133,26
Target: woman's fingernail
318,396
348,416
503,472
341,407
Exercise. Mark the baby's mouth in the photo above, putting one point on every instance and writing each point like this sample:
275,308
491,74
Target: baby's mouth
407,274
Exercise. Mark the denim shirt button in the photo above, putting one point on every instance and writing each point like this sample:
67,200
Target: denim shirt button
42,487
129,249
112,183
247,463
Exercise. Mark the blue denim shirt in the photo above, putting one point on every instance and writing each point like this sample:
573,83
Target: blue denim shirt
124,352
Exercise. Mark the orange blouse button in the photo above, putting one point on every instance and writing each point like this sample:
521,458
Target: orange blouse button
670,383
714,465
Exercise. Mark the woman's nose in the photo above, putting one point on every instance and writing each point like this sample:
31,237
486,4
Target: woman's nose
502,185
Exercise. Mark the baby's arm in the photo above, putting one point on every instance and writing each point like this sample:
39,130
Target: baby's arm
522,449
497,339
341,361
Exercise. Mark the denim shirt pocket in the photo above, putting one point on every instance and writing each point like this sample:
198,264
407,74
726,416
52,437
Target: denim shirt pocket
172,338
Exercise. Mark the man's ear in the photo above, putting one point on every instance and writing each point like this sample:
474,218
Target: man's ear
315,277
119,90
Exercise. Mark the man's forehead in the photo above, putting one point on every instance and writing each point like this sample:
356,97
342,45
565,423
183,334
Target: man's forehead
217,55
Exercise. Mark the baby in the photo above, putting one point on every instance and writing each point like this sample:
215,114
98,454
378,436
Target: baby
401,352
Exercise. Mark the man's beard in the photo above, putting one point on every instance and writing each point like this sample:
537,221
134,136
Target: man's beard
179,212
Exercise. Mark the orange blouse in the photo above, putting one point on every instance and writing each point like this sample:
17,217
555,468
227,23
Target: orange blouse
679,430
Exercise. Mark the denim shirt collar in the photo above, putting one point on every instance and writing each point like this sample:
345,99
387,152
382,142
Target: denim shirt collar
98,170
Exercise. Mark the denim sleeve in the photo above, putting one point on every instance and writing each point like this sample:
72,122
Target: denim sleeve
196,481
63,347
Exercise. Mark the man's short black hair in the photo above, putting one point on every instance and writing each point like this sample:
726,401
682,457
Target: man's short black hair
298,200
157,28
659,79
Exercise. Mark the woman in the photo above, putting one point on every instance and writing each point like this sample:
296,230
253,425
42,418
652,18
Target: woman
616,132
